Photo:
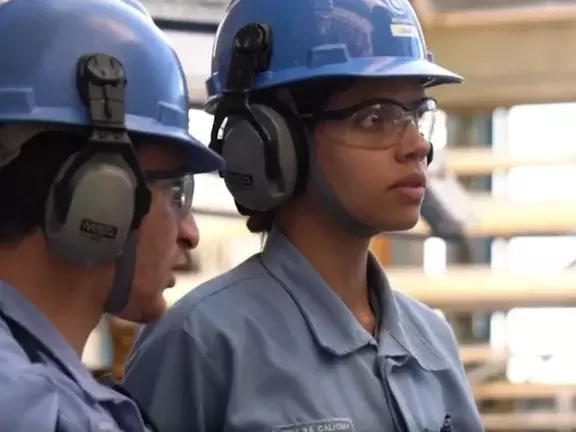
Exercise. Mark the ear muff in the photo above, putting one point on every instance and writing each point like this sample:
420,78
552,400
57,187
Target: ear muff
256,182
243,155
99,196
89,217
300,140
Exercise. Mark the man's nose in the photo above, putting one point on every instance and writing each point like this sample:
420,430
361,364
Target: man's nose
188,234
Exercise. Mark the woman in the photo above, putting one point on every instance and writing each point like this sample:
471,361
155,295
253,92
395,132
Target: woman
326,145
96,167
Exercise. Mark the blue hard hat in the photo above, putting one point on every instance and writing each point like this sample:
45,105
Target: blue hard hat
41,42
329,38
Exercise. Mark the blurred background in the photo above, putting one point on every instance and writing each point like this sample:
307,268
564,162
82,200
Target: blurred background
495,252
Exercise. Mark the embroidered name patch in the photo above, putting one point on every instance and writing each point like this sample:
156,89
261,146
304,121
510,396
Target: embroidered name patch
332,425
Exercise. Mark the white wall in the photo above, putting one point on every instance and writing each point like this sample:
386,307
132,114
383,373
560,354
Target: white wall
210,193
533,129
95,354
195,52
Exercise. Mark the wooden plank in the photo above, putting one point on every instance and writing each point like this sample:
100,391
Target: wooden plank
478,288
494,218
504,218
520,391
538,72
497,18
529,421
500,217
484,161
492,17
477,353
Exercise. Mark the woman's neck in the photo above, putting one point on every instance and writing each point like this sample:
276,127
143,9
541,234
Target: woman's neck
340,258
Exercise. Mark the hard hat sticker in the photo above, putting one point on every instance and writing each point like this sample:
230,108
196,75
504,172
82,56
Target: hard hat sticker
403,30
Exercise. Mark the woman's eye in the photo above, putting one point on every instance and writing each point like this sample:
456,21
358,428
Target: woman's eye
370,119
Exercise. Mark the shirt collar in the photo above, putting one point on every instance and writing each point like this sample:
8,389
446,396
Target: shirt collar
332,324
399,335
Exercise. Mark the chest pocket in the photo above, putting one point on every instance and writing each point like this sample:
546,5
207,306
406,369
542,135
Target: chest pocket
34,348
418,391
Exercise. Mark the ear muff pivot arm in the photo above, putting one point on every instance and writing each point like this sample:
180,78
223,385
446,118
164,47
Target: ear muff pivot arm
251,55
101,81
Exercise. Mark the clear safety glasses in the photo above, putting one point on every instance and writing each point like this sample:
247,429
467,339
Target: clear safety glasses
178,187
378,123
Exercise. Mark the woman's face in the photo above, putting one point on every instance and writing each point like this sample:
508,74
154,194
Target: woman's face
373,153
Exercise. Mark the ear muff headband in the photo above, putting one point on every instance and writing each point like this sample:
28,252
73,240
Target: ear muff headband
100,197
263,177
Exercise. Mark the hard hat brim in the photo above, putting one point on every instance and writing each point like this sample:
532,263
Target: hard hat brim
198,157
371,67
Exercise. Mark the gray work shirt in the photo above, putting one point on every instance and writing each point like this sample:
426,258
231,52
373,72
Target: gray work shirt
268,347
37,397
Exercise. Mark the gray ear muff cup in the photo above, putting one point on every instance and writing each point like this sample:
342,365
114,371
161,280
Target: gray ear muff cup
95,225
244,155
300,140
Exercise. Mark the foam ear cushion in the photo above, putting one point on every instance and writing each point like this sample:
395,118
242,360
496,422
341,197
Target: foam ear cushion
258,179
300,139
97,214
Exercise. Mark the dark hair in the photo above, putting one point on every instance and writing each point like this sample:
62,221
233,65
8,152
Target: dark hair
25,182
261,223
308,97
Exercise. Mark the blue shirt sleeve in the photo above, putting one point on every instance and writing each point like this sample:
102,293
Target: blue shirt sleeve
176,381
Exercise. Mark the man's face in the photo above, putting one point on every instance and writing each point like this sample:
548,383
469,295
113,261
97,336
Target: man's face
164,233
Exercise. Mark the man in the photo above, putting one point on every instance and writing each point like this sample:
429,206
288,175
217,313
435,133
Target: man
96,184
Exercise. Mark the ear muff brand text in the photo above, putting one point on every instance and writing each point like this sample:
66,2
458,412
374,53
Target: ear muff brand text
239,180
98,231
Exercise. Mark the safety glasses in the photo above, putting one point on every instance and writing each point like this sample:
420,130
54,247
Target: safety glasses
179,188
378,123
